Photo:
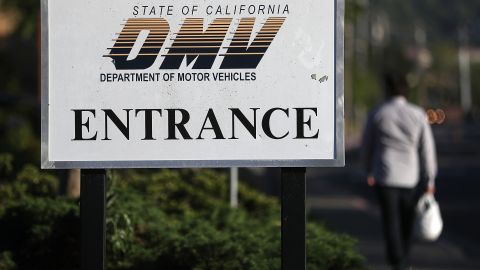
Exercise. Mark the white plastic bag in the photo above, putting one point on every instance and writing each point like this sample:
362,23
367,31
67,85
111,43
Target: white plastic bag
429,223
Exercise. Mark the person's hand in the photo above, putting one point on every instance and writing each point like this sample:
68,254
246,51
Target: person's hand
371,180
430,189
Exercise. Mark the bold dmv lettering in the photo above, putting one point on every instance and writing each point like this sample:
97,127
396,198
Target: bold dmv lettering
157,33
242,54
193,43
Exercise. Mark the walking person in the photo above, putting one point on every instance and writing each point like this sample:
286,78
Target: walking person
400,159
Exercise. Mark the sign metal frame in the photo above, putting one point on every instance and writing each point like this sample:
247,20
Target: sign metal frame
339,151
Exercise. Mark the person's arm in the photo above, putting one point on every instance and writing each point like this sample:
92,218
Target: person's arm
367,148
428,156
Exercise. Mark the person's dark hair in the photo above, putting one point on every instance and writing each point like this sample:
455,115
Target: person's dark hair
395,84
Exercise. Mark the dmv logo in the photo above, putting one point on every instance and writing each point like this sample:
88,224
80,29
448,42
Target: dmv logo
198,46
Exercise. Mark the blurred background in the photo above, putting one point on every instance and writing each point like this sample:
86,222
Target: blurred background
435,42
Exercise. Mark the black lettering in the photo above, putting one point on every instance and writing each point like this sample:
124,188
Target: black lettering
148,122
252,128
124,129
301,123
79,125
266,123
173,125
170,10
209,10
214,126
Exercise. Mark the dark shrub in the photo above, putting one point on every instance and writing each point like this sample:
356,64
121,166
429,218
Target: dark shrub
165,219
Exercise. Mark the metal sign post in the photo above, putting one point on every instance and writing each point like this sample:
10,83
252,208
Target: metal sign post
92,212
234,187
293,218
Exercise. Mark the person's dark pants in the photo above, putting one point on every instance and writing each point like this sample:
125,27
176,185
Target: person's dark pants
398,215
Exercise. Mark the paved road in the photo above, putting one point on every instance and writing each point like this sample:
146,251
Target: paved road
341,199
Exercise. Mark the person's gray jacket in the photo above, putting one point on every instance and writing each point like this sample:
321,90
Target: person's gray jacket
398,145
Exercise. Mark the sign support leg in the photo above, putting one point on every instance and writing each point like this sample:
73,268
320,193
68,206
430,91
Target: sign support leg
293,218
234,187
92,213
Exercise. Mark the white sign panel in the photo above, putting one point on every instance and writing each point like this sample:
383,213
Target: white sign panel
192,83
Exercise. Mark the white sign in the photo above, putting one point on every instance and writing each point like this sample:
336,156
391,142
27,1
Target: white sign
192,83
